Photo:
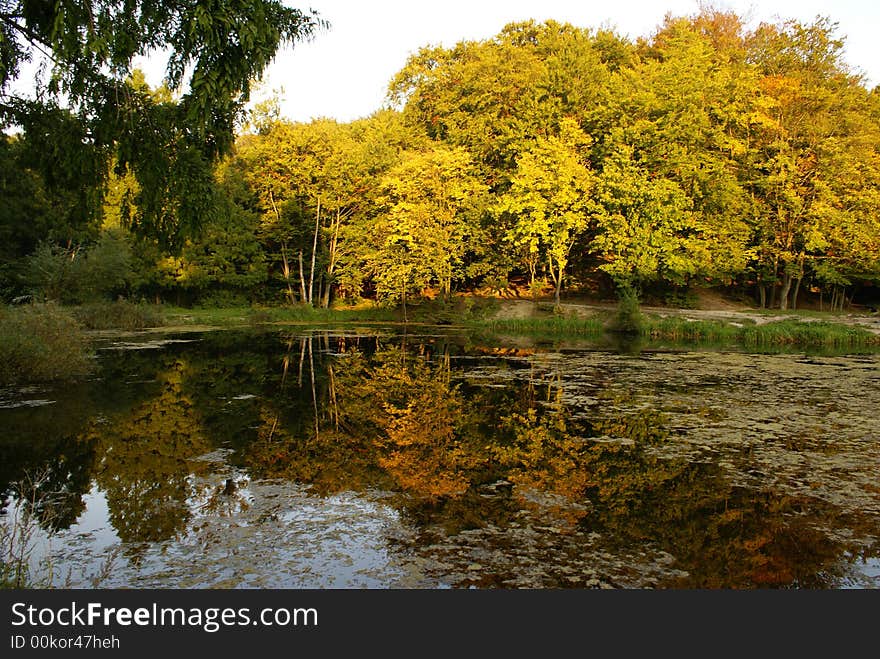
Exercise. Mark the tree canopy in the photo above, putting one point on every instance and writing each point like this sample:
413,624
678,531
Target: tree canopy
87,108
709,153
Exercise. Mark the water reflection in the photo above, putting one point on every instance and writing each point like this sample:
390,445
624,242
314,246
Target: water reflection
488,467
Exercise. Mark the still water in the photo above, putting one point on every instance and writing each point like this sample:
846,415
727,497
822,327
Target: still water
351,459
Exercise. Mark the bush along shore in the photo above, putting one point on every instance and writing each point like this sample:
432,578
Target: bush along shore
41,342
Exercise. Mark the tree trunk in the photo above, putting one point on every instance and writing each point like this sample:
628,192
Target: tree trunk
794,296
331,258
285,270
558,288
783,294
314,252
835,298
557,280
325,299
532,267
762,295
302,278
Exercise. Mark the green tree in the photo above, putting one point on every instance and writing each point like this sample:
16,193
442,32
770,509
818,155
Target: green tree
88,109
80,272
685,111
44,196
649,230
310,182
225,260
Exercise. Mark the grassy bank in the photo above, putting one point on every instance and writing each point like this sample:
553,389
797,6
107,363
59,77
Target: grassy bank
238,316
433,312
781,333
48,342
790,332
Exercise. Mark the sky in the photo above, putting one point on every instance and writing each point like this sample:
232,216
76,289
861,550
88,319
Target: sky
343,72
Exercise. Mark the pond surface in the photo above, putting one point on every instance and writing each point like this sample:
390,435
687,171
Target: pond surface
346,459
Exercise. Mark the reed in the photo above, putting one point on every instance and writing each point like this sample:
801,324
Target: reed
674,329
815,333
554,326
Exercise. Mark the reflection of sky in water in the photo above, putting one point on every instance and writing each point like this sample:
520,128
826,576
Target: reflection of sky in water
265,535
75,556
273,534
52,557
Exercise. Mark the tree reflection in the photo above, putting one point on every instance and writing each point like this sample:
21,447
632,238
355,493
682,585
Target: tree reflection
391,418
456,452
39,445
419,416
145,465
601,464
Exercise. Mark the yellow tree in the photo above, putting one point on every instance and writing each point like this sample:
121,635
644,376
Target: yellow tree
428,222
813,170
550,201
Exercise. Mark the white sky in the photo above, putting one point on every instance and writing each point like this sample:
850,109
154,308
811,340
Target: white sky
344,71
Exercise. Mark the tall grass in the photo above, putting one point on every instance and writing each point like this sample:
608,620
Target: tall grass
814,333
674,329
787,332
300,313
307,314
679,329
26,534
41,342
554,326
21,531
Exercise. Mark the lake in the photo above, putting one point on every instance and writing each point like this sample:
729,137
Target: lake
370,458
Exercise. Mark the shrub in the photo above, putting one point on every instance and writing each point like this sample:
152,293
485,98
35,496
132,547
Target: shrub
121,315
628,319
79,274
41,342
679,298
223,298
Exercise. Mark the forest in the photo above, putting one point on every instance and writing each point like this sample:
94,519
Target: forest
550,160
